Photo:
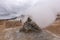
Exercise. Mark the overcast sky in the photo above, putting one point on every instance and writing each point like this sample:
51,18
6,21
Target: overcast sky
43,12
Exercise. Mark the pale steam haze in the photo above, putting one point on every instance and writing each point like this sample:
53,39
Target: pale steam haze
43,12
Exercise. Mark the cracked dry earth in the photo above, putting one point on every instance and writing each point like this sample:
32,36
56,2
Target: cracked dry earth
14,34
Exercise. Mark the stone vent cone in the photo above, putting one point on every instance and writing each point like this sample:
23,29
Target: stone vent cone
30,26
